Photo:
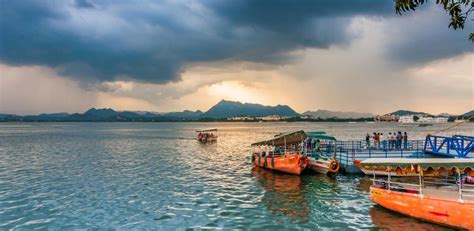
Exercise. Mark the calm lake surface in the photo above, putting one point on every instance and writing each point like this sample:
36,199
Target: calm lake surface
157,176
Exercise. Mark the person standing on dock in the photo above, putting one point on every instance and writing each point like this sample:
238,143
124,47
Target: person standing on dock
377,140
405,140
390,141
367,140
399,140
382,141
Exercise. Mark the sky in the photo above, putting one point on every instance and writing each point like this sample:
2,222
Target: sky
68,56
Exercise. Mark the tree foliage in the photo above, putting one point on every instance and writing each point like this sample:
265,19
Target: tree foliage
458,10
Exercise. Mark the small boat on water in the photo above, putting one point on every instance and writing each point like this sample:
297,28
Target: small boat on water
320,161
437,190
207,135
296,151
281,153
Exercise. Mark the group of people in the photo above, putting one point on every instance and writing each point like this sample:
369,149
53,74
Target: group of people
393,141
205,136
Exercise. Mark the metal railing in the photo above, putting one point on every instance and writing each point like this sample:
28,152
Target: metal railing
447,183
347,152
455,146
397,186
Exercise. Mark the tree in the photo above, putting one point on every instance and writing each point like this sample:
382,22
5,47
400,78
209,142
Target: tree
458,10
416,118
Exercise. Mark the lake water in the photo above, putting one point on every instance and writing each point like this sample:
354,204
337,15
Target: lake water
157,176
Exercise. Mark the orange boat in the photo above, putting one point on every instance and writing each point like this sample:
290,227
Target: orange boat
435,190
281,153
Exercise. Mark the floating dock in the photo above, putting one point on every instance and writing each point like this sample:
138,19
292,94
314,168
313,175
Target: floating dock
346,152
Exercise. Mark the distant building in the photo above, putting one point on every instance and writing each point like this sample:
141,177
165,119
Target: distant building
240,118
435,120
270,118
387,118
422,119
407,119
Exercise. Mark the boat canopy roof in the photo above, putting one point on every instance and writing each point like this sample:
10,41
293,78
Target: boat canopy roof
428,166
208,130
284,138
294,137
320,135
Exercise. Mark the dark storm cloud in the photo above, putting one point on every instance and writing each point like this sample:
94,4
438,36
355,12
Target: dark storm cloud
84,4
154,41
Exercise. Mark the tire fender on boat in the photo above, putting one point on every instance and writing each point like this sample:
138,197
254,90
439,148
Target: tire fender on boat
334,166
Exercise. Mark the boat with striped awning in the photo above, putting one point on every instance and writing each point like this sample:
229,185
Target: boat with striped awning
436,190
281,153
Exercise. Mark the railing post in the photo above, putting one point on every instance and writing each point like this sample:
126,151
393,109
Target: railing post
388,180
421,184
460,185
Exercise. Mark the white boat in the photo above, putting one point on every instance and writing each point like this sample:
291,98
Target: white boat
315,146
207,135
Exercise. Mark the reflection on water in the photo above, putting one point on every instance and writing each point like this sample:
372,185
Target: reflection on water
364,183
156,176
386,219
284,194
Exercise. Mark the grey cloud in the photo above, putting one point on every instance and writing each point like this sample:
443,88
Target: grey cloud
84,4
154,42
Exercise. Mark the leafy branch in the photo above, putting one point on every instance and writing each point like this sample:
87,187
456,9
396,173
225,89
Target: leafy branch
458,10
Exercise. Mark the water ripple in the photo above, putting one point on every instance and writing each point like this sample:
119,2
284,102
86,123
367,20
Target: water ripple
156,176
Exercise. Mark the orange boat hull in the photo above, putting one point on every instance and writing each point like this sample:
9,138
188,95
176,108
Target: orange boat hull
448,212
290,163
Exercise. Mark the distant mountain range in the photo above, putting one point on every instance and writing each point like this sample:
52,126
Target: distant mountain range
468,114
407,112
105,114
225,109
222,110
325,114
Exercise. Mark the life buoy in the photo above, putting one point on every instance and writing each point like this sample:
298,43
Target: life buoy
304,162
333,166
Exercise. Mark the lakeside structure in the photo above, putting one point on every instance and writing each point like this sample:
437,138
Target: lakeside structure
443,191
422,119
349,154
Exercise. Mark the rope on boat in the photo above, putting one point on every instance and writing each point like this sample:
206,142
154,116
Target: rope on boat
452,126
